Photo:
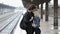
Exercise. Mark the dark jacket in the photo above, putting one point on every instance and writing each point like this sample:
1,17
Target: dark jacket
26,23
28,17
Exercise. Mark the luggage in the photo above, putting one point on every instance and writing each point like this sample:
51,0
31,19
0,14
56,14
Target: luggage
26,21
23,24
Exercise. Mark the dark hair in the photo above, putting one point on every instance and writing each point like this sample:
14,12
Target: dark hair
32,7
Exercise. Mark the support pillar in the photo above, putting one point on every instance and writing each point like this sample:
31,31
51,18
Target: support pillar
46,12
42,11
38,6
55,14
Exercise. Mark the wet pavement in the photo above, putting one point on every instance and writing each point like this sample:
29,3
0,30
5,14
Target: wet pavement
45,26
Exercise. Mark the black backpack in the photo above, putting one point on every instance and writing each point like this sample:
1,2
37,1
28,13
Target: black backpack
23,24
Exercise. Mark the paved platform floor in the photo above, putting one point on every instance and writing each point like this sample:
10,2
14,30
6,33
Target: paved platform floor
46,28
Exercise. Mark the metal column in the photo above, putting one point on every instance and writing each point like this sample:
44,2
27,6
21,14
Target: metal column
46,13
55,14
42,11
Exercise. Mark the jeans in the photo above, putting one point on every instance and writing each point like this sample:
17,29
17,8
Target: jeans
32,30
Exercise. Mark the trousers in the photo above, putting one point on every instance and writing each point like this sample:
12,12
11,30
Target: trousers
32,30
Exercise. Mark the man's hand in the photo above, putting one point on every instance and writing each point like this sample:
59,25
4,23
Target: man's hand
31,19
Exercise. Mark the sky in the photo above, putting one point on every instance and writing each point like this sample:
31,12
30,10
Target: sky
17,3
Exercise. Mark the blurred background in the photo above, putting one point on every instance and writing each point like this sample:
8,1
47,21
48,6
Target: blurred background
11,13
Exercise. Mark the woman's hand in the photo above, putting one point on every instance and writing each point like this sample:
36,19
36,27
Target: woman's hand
34,25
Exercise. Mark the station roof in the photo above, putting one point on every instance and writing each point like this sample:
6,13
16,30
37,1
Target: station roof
36,2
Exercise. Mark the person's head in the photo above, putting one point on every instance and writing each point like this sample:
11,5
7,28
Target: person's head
32,8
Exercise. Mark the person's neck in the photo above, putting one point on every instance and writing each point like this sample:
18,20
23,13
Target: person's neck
28,11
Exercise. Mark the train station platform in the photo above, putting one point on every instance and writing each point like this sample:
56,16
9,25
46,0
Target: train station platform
45,26
10,25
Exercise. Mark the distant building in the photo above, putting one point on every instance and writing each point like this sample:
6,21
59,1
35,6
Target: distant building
5,8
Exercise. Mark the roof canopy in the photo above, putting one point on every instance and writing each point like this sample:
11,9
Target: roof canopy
36,2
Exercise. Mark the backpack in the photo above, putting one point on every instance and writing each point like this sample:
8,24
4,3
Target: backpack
36,21
23,24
